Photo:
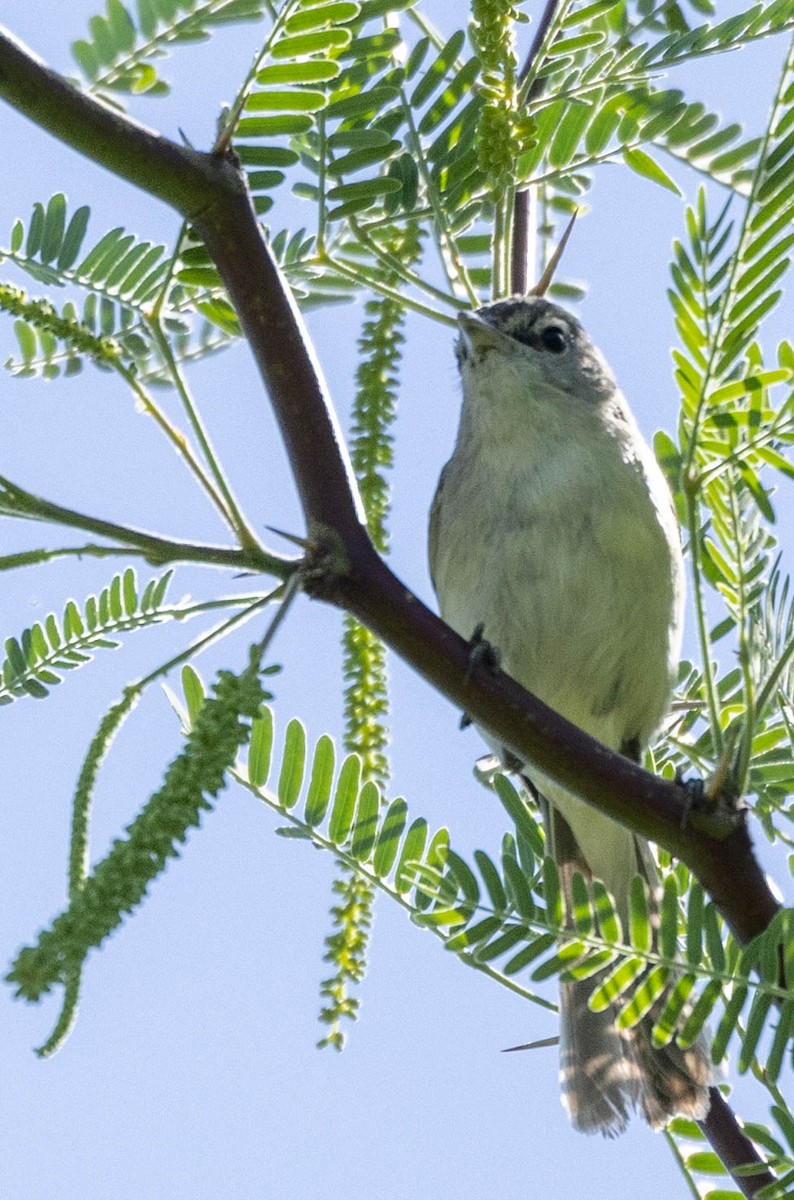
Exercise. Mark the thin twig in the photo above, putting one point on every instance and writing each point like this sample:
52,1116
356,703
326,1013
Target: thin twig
519,257
17,502
547,16
175,436
229,505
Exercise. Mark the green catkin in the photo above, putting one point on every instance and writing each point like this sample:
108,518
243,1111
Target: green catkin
120,881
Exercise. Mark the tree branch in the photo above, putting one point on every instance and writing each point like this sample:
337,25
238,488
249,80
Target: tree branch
519,255
519,247
16,502
128,149
546,18
734,1147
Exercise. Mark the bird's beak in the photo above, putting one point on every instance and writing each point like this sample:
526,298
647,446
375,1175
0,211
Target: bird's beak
477,335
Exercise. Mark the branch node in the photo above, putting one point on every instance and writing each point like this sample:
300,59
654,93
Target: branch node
326,563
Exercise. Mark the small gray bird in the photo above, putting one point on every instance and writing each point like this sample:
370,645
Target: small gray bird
553,529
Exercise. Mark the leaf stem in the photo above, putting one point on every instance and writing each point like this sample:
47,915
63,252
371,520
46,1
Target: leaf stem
742,761
228,505
679,1158
693,525
175,436
360,868
546,32
737,264
229,126
781,427
16,502
498,249
400,269
289,590
214,635
34,558
454,268
322,205
765,695
354,272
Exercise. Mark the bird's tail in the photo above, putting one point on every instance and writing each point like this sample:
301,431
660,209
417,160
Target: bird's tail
606,1072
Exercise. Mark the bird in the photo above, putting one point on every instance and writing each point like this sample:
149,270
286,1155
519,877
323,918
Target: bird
553,534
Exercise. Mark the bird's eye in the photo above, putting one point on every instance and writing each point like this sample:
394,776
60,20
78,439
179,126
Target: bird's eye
553,339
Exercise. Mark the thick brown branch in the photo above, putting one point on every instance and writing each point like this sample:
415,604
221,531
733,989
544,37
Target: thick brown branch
356,579
175,174
723,861
733,1146
293,378
212,194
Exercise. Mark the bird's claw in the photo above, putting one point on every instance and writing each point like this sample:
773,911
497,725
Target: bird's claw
696,799
481,652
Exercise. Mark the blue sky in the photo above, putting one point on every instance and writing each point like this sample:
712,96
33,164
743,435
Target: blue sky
192,1071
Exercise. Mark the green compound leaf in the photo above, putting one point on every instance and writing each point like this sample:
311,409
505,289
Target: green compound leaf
37,660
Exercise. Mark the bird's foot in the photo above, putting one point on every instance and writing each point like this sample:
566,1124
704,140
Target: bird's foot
481,654
696,799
